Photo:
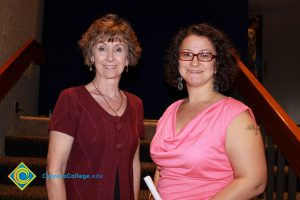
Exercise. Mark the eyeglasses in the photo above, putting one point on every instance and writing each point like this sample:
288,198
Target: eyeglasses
202,56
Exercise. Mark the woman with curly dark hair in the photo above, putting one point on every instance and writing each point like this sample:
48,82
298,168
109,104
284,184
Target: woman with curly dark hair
95,129
206,146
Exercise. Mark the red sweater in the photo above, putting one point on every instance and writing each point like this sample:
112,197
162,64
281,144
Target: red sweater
102,144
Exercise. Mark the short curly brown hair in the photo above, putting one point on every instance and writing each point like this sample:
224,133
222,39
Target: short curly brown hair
110,28
226,60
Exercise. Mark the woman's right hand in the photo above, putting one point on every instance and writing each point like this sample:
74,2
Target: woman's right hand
151,197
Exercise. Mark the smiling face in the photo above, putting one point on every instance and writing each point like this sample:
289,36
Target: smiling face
195,72
110,59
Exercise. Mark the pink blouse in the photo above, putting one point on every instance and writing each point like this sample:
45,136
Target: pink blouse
193,164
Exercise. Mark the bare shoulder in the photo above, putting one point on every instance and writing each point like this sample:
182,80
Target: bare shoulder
243,134
243,123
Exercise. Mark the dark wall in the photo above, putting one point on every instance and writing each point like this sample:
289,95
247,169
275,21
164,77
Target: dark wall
155,22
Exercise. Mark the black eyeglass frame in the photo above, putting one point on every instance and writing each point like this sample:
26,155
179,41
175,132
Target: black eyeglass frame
196,54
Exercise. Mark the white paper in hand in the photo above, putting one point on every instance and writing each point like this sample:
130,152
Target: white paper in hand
152,188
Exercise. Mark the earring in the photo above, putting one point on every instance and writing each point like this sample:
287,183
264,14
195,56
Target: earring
126,68
92,65
179,85
216,87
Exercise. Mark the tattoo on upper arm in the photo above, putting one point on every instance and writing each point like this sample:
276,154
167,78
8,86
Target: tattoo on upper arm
252,127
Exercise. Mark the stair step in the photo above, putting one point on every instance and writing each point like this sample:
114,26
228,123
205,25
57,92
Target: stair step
37,146
10,192
38,167
29,145
145,151
26,146
150,128
29,125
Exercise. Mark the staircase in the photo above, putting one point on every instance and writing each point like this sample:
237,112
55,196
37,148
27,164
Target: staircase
29,145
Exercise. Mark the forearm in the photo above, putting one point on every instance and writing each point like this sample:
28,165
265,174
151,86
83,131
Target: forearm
60,145
156,177
136,179
240,189
56,189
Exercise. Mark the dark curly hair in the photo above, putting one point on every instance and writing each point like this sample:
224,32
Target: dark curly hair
110,28
226,60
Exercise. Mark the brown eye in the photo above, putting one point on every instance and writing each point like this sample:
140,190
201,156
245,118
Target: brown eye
205,56
101,48
185,55
119,49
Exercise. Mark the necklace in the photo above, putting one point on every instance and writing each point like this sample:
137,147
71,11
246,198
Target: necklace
115,111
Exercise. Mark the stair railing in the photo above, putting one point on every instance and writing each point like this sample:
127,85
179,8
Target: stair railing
281,136
13,69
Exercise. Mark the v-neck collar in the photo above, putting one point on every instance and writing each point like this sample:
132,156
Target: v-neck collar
202,112
102,110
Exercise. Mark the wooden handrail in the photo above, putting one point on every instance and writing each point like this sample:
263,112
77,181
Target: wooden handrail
13,69
278,124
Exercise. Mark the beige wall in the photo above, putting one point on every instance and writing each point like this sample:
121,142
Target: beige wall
281,43
19,21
